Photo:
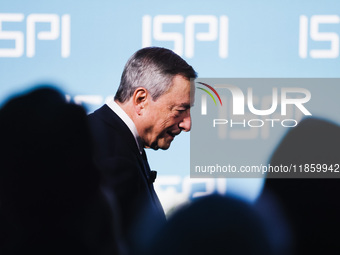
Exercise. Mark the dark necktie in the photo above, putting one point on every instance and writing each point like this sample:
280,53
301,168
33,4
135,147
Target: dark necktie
151,175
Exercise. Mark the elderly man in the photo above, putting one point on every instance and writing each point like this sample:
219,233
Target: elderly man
151,106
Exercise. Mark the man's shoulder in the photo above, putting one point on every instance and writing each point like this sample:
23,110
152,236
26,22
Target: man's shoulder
104,117
110,133
101,113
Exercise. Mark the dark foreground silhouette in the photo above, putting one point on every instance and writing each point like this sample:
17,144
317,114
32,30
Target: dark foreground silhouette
303,213
213,225
50,201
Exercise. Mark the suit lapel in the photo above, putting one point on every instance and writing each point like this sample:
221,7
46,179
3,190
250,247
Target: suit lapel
113,120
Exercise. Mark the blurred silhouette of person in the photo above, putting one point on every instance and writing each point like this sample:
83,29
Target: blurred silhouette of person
50,200
213,224
151,107
305,210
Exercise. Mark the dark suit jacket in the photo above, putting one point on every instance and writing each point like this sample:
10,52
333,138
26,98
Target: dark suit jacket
126,179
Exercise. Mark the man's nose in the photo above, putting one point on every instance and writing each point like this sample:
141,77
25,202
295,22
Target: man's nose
185,124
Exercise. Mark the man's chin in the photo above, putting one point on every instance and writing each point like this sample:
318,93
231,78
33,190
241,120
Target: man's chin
164,146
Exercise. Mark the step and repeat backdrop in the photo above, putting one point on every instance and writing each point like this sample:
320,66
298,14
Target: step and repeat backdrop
82,46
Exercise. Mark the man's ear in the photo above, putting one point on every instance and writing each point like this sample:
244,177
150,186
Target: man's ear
140,100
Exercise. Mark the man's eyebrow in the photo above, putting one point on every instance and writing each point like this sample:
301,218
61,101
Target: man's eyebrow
184,105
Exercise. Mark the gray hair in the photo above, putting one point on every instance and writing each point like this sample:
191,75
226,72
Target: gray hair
152,68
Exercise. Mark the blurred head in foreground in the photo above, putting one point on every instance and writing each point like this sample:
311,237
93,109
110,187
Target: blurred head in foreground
49,188
213,225
307,207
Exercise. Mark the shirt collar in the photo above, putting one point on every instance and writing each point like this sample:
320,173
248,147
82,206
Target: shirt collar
128,121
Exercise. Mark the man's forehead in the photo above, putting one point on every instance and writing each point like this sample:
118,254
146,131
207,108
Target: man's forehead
181,105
